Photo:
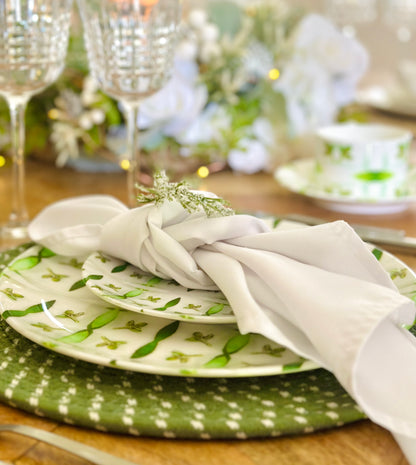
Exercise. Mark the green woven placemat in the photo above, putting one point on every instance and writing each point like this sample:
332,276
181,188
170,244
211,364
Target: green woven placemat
43,382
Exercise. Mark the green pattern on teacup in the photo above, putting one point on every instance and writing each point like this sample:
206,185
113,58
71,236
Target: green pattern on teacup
338,153
403,150
374,176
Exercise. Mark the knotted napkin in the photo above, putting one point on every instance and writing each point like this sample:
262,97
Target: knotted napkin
317,290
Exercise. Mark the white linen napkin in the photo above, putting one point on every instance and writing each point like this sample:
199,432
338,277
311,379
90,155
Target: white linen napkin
317,290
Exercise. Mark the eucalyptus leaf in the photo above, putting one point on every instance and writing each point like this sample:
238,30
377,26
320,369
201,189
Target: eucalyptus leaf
226,15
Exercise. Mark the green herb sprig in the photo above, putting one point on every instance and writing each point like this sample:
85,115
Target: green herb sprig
165,191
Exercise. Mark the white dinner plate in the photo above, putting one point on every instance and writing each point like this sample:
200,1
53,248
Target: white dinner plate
298,176
44,297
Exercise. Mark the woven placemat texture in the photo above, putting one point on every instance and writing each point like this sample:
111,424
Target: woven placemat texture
46,383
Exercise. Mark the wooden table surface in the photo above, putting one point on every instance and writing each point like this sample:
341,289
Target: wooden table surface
362,443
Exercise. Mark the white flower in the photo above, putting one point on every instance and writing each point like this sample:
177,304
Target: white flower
210,32
208,126
197,18
344,58
176,105
264,132
85,121
209,51
89,91
308,93
65,139
321,75
97,115
252,157
258,60
336,52
187,50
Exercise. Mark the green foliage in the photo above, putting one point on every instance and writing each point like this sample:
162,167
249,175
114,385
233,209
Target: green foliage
165,191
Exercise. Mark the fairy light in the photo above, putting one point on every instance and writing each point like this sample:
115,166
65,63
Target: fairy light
274,74
203,172
53,113
125,164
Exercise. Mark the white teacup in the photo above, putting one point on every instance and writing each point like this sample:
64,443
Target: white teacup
364,161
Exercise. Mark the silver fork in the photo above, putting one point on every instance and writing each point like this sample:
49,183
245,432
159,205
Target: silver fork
74,447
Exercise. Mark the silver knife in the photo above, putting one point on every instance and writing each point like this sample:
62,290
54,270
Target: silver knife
382,236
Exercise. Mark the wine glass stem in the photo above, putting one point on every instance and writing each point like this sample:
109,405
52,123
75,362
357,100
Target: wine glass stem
133,153
18,215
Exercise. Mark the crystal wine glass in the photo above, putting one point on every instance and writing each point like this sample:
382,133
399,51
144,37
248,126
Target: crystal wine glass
33,45
130,46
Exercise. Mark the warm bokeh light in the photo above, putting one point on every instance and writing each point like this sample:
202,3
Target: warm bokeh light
2,161
125,164
53,113
203,172
274,74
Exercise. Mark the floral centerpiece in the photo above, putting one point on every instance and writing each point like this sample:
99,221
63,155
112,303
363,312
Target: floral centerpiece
247,81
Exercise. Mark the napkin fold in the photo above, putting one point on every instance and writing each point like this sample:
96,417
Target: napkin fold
317,290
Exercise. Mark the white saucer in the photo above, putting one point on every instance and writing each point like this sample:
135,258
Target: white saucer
391,99
297,176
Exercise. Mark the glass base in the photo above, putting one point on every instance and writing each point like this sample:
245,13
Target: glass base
13,234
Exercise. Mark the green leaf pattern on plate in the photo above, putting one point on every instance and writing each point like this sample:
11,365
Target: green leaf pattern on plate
83,282
28,262
233,345
81,325
162,334
37,308
99,322
134,290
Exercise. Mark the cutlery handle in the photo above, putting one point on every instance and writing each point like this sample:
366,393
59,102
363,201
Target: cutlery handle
74,447
394,238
